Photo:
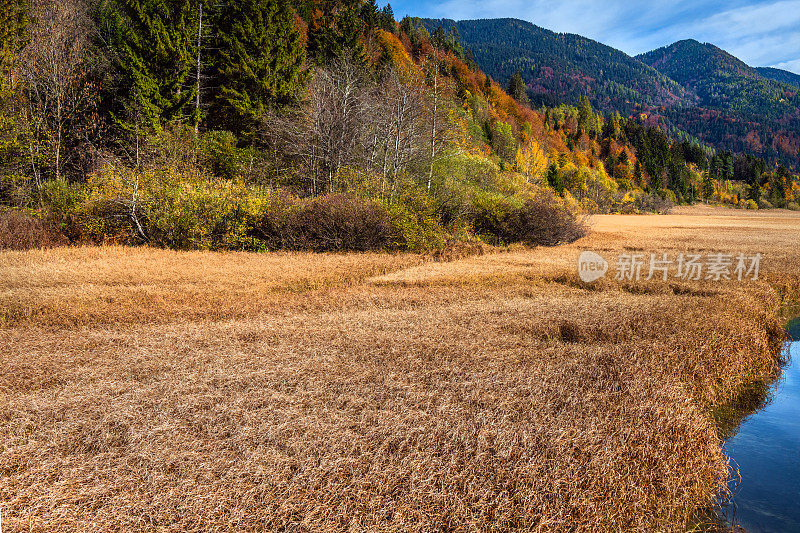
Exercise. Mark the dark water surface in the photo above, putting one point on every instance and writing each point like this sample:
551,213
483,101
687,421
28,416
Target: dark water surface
766,449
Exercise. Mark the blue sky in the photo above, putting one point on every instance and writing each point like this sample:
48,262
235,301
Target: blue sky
761,33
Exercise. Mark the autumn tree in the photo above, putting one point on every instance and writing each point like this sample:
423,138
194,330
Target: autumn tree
531,160
12,33
55,66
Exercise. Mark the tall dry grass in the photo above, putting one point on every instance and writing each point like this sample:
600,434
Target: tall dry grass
163,391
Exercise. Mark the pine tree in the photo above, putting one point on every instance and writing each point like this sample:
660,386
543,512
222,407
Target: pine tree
259,61
154,43
370,14
638,177
554,178
387,19
517,88
337,33
12,29
708,185
587,120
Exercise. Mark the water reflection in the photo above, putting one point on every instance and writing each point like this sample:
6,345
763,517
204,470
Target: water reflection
761,429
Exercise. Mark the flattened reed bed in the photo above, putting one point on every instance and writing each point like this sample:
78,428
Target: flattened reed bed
485,394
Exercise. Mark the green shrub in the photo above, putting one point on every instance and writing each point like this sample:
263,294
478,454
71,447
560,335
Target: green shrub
173,207
220,153
64,201
414,230
749,204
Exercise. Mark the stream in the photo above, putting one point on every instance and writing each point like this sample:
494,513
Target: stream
762,440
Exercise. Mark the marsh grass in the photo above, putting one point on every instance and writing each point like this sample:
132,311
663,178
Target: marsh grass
151,390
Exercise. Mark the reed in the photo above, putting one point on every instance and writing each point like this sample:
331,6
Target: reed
145,390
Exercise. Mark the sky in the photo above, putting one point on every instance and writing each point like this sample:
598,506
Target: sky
761,33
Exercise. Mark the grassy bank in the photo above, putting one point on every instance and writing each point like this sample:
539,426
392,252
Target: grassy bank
150,390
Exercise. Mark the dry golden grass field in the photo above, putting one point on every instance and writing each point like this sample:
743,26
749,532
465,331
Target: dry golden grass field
150,390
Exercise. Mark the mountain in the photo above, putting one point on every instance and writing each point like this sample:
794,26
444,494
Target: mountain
783,76
722,81
738,107
560,67
690,88
690,61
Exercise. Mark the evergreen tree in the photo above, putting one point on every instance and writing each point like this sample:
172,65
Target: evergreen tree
338,32
12,29
387,19
554,178
587,120
708,185
370,14
154,44
258,62
517,88
754,192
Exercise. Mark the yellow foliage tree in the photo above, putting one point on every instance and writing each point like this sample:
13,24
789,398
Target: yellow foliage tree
531,161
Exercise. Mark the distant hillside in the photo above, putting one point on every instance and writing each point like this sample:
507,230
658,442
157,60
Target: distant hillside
783,76
560,67
722,81
689,87
739,108
689,62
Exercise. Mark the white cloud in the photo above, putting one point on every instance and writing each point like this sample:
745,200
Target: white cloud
792,66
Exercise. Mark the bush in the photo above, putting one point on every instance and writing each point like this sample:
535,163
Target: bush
331,223
749,204
540,220
793,206
220,153
23,232
64,201
414,229
175,208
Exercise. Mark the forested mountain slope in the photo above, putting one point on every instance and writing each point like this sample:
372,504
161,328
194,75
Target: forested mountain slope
722,81
783,76
562,67
688,88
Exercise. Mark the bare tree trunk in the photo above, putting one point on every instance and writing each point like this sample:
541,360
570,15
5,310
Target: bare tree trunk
435,112
134,205
197,100
59,133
